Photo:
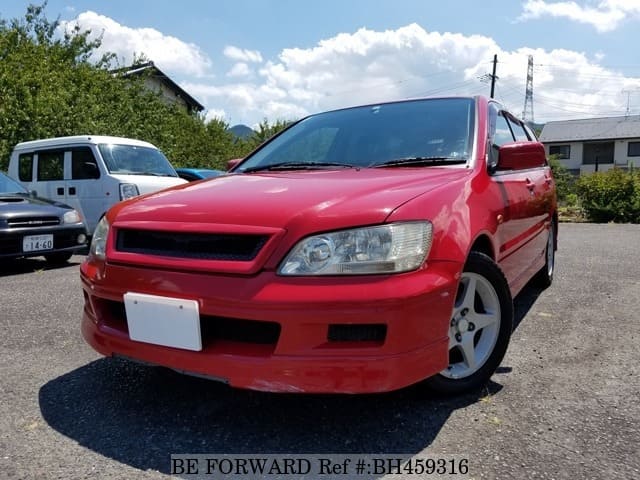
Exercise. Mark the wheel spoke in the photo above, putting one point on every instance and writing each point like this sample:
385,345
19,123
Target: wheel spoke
482,320
468,294
468,350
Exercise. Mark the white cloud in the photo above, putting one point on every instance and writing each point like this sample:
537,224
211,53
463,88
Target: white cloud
239,69
372,66
605,16
241,55
215,114
166,51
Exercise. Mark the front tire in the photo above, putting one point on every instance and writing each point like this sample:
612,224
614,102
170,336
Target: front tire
479,330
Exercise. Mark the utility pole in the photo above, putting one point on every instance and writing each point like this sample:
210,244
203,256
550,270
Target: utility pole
485,78
528,96
493,75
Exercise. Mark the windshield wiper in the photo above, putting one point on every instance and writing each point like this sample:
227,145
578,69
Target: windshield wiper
431,161
296,166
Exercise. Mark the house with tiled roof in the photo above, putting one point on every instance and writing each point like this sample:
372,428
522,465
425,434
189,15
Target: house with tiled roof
594,144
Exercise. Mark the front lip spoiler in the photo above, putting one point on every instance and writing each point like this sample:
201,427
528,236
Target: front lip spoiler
182,372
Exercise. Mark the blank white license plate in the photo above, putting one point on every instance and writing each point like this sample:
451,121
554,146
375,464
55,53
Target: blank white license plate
172,322
35,243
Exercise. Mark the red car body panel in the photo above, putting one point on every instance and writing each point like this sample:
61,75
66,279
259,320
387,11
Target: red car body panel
508,213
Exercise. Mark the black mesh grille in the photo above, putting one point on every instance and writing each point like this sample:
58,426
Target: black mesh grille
31,222
244,331
205,246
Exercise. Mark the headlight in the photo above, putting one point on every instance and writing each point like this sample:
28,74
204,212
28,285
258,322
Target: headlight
72,216
393,248
99,240
128,190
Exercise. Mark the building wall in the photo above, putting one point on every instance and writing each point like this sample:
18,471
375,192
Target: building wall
168,95
575,159
621,153
574,162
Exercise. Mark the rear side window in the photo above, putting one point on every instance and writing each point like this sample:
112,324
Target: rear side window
503,133
51,165
519,131
83,164
25,167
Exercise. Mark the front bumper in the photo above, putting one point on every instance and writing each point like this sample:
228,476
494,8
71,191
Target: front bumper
65,239
298,354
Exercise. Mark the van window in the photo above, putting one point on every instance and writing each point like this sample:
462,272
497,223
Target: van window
83,164
51,165
134,160
25,167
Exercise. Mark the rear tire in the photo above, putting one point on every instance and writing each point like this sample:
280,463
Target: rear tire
479,330
544,277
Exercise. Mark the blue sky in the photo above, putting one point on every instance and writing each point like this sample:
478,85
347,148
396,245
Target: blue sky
247,60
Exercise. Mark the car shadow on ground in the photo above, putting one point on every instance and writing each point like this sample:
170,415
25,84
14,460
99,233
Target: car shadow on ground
30,265
140,415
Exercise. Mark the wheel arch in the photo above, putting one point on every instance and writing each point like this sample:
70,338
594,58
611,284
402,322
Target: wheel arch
483,244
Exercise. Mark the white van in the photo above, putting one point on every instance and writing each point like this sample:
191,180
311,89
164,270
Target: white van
91,173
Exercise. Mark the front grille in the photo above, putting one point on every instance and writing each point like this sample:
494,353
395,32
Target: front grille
31,222
204,246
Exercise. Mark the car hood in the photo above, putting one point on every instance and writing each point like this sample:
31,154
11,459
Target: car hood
320,200
22,204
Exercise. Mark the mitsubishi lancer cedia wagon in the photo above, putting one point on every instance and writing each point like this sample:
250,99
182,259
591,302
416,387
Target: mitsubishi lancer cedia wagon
359,250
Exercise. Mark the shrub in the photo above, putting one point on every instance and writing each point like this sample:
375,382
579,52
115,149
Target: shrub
611,196
565,181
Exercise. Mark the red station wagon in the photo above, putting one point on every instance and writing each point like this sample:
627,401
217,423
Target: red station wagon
360,250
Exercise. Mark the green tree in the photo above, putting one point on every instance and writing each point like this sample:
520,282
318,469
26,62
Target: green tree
54,84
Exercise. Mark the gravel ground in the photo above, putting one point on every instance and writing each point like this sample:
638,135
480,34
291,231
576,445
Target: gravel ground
565,404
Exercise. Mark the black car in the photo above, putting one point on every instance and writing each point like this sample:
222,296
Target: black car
32,226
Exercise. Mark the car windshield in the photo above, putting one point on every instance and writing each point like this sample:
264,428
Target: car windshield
136,160
9,185
409,133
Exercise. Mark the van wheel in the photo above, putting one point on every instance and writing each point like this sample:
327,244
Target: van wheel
479,330
58,258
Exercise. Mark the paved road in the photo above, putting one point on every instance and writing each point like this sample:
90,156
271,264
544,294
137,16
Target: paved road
564,405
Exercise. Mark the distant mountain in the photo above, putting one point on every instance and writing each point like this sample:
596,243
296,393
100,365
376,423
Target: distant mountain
241,131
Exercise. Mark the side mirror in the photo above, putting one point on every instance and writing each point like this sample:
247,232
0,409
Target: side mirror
521,155
91,170
233,162
33,193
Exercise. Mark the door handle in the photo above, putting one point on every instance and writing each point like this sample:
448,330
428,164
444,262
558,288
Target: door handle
530,184
72,190
60,190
